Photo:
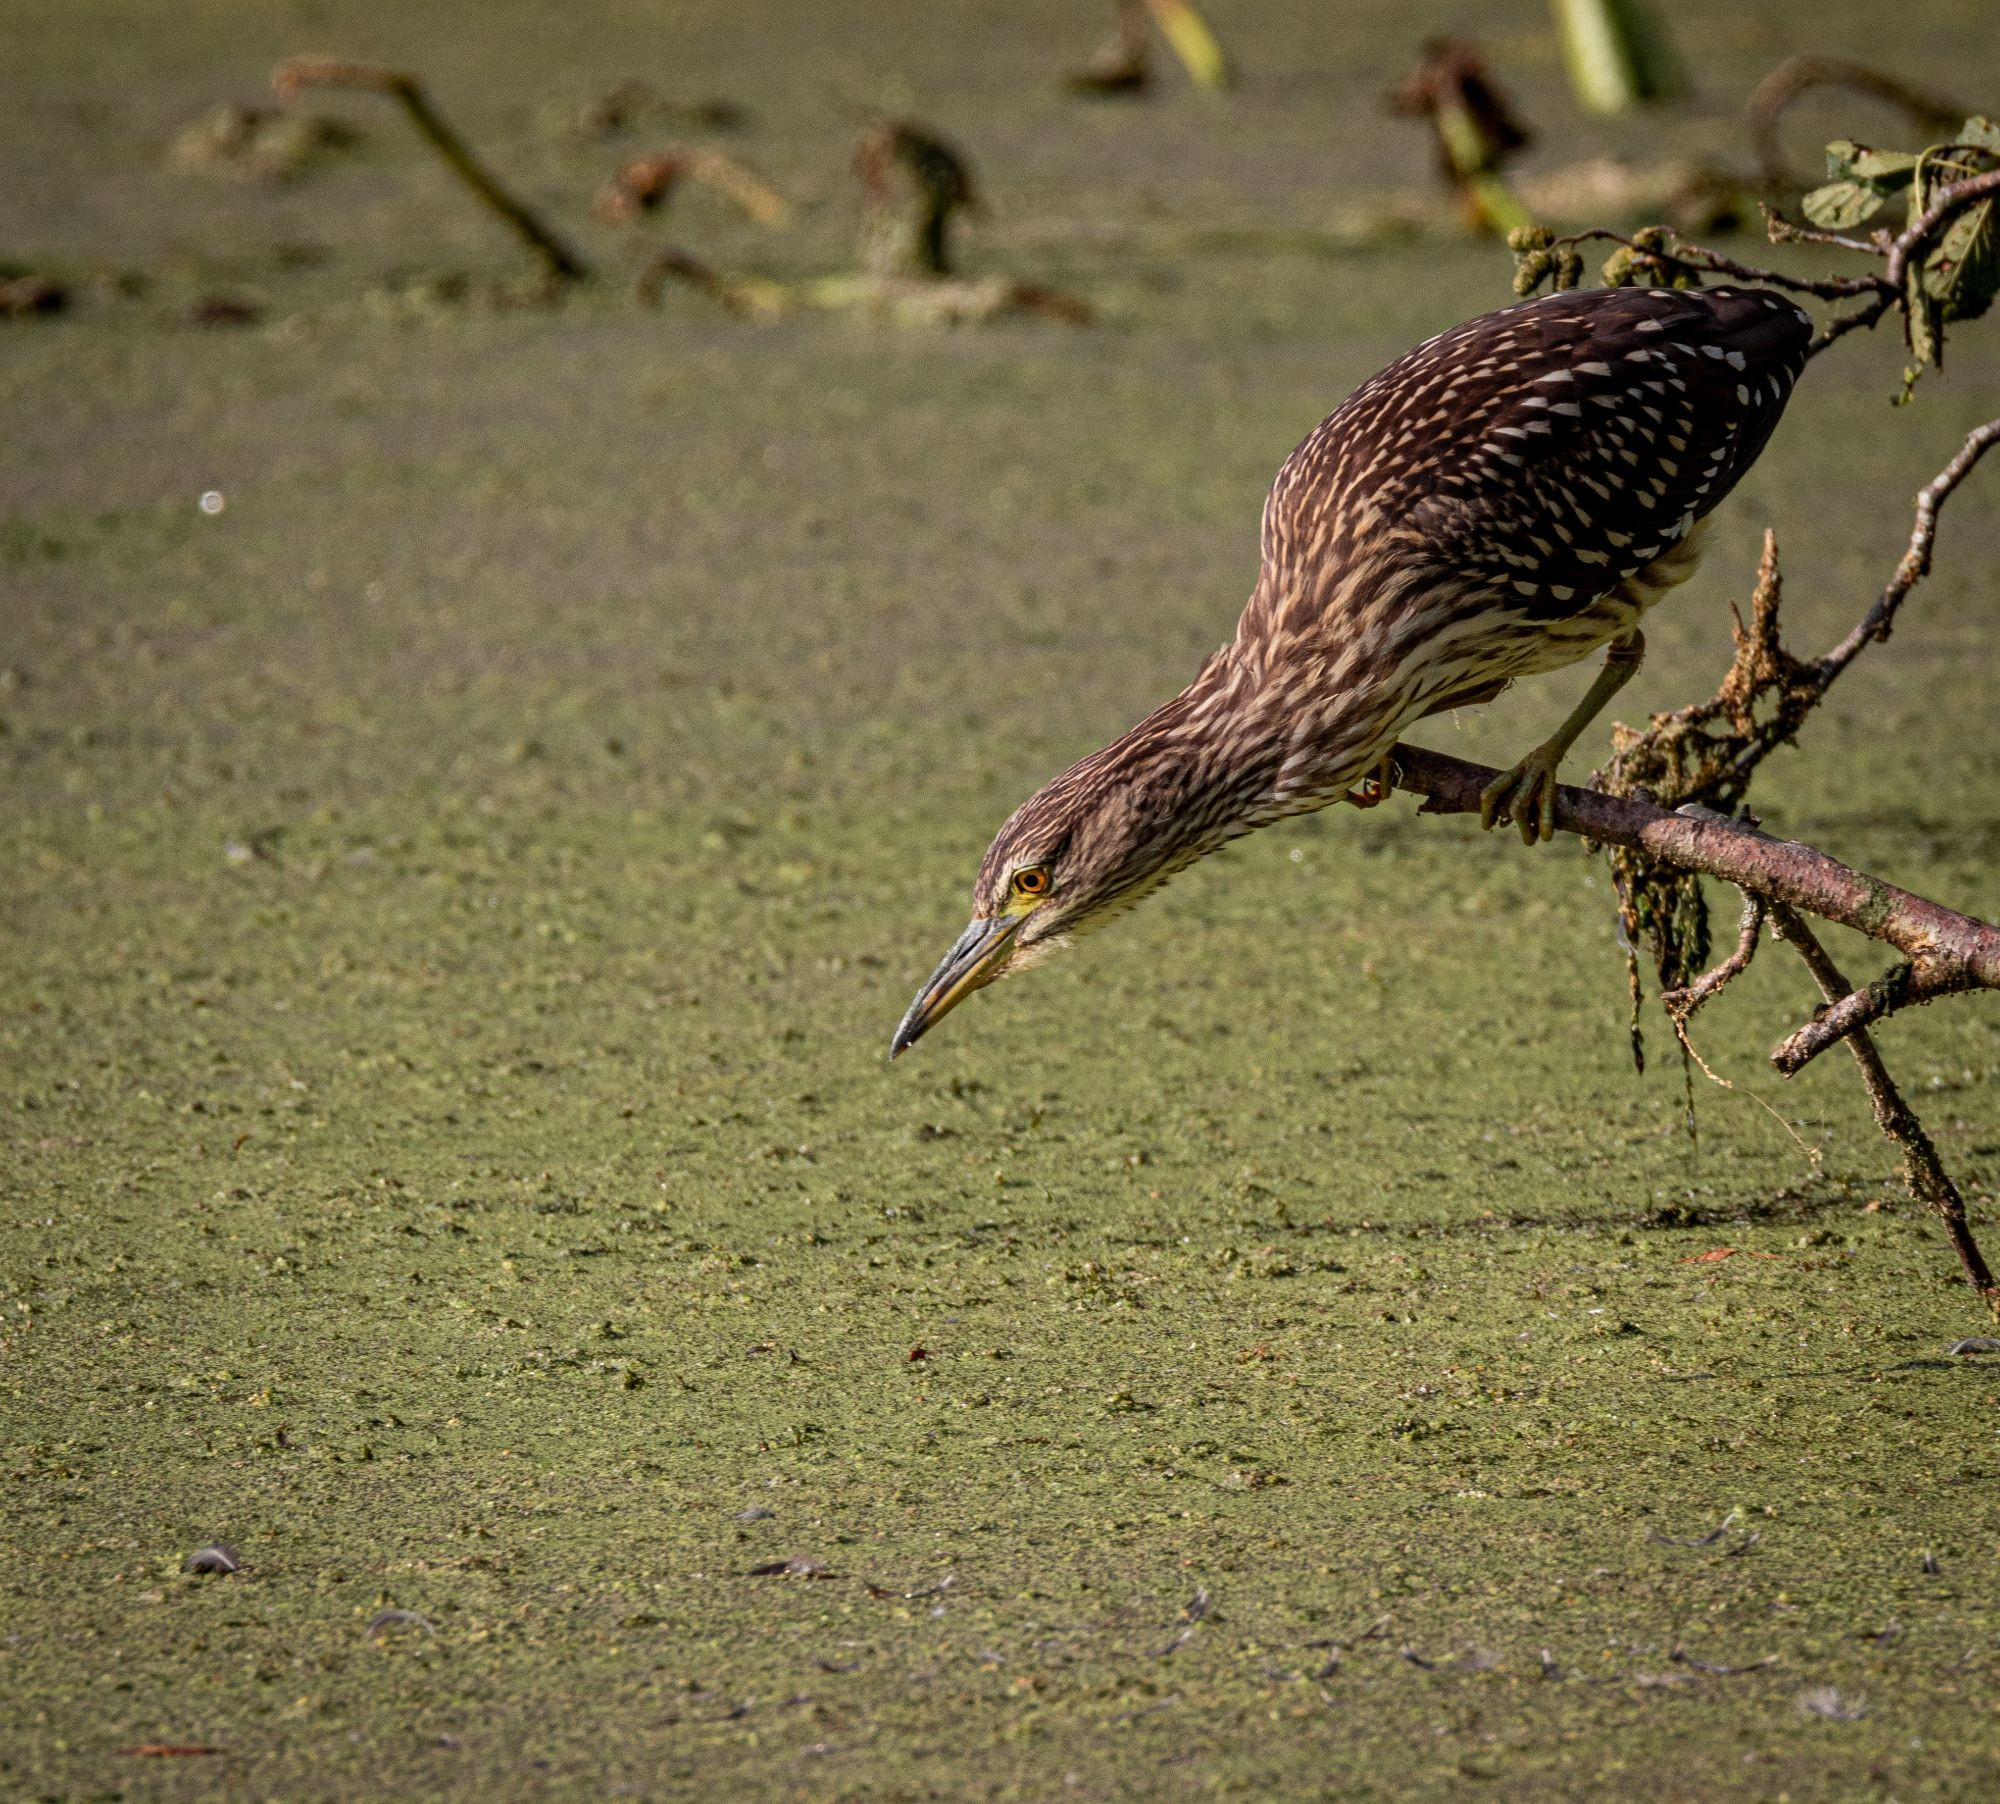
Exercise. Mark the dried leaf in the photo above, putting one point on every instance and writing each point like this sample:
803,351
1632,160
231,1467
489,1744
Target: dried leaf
1923,316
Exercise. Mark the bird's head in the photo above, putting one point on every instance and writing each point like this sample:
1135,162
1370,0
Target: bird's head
1087,847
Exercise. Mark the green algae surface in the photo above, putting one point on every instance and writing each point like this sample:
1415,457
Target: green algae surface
459,886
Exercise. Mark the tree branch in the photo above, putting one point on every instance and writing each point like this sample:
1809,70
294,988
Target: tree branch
1937,940
1880,620
1681,1004
1916,561
1904,986
1916,236
1923,1170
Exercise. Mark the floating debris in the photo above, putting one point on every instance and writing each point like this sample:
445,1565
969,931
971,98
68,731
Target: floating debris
218,1557
1708,1540
224,310
917,182
383,1621
25,296
644,184
260,144
1473,128
634,103
1720,1672
1122,64
1826,1701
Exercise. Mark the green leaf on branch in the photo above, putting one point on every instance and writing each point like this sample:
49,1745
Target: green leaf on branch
1840,206
1962,274
1923,321
1981,131
1888,169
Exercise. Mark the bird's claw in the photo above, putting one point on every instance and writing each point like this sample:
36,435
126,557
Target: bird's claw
1375,787
1525,795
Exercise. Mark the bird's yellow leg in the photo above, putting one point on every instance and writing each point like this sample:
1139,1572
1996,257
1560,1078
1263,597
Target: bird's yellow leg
1527,793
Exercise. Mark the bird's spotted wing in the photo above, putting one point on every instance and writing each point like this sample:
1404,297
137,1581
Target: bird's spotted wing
1542,454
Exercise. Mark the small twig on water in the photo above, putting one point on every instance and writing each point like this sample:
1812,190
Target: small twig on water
1708,1540
1684,1658
299,72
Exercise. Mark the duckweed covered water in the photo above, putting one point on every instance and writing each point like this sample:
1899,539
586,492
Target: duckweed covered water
459,891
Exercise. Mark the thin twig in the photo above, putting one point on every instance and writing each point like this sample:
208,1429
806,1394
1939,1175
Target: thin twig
1911,569
1904,986
1915,564
1923,1171
1681,1004
299,72
642,184
1781,230
1841,324
1699,259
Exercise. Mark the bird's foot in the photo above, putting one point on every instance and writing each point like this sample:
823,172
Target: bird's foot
1375,787
1525,795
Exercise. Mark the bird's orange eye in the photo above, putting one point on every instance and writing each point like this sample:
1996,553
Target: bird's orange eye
1034,881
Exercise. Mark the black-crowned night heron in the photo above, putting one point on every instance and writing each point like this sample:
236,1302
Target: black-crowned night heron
1501,501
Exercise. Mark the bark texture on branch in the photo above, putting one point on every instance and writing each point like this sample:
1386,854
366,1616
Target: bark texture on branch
1938,941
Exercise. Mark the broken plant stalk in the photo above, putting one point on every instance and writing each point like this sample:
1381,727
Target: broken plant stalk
558,261
1191,38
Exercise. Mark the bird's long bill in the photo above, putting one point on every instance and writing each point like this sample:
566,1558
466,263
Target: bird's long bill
976,959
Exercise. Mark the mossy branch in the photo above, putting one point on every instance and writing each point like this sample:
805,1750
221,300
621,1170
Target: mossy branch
1697,839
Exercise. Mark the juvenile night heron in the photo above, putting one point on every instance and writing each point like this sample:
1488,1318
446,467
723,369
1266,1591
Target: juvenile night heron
1501,501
